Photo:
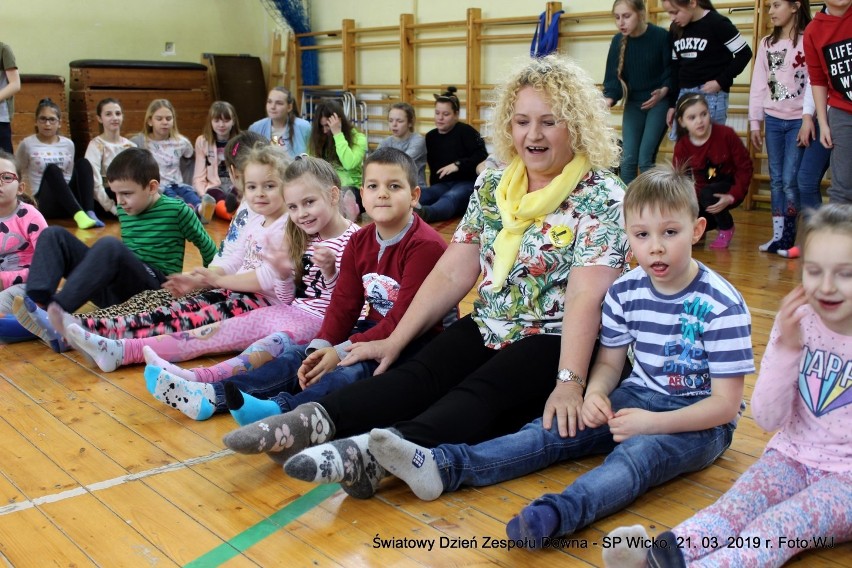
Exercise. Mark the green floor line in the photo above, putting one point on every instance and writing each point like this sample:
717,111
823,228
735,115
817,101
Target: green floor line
264,528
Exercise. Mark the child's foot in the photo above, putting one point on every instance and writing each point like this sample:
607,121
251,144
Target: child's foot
221,211
196,400
346,461
154,360
107,354
247,409
666,553
283,435
629,548
83,221
413,464
723,239
93,217
534,523
792,252
35,320
206,208
59,318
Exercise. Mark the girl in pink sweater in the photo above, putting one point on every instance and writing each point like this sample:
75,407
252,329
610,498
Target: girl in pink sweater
798,495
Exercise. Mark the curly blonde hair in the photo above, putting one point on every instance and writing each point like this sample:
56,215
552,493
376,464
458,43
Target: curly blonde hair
576,102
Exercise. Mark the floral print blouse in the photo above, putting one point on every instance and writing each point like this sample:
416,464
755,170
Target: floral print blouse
587,229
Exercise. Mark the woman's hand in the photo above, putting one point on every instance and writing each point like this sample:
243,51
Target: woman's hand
566,403
757,139
597,410
725,201
324,260
656,96
447,170
790,318
711,87
334,124
670,117
629,422
385,351
316,365
807,131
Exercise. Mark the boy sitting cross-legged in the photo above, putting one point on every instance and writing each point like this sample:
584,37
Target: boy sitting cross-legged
675,413
383,264
154,229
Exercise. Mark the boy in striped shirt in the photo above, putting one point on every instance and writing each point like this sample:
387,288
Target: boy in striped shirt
154,229
676,411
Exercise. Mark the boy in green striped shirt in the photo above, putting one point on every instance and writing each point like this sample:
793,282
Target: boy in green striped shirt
154,230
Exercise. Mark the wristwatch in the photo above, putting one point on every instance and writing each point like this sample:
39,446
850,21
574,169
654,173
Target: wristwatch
569,376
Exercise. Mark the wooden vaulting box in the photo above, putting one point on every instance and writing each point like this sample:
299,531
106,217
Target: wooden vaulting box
135,84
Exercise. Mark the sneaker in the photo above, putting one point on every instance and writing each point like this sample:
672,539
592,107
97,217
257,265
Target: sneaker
206,208
792,252
723,239
222,211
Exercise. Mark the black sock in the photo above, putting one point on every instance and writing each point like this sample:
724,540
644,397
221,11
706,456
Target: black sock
665,553
233,396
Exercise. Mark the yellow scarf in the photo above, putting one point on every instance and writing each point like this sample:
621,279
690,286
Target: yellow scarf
519,208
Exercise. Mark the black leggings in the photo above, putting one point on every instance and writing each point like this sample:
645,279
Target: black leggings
722,221
58,199
455,390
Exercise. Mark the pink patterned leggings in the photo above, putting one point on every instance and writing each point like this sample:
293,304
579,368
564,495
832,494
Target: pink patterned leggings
776,509
234,334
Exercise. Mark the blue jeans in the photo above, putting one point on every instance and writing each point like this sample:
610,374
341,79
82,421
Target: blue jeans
812,168
446,199
630,469
277,380
641,134
785,155
717,104
183,192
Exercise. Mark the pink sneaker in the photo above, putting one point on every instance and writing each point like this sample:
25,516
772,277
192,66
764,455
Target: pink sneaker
723,239
792,252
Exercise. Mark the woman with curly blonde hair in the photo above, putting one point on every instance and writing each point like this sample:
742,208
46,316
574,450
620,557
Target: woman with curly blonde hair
547,236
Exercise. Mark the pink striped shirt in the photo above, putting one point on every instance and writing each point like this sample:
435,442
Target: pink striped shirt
315,296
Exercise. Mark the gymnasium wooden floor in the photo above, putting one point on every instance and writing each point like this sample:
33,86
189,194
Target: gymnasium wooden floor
95,472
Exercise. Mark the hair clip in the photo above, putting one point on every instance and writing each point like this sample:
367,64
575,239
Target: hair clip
302,156
235,150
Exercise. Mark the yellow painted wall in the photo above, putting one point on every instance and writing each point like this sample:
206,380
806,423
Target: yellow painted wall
46,35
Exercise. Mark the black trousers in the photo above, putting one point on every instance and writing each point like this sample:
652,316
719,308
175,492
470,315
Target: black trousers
722,221
108,273
60,200
454,390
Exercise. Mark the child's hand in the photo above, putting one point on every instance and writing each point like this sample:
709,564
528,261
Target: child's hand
179,285
807,131
597,410
334,124
324,260
316,365
711,87
629,422
670,117
757,139
277,255
789,317
825,136
384,351
566,403
206,277
725,201
656,96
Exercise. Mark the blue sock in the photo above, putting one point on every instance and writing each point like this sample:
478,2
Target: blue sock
39,316
247,409
534,523
93,217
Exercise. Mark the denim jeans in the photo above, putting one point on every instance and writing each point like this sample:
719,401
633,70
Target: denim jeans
812,168
183,192
717,104
630,469
446,199
785,155
641,134
278,381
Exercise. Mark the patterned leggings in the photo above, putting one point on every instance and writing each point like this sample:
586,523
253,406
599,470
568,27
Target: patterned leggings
234,334
157,312
775,510
256,355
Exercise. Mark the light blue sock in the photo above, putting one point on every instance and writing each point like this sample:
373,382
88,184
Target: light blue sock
196,400
247,409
